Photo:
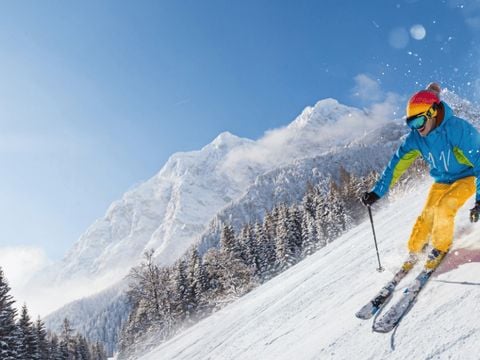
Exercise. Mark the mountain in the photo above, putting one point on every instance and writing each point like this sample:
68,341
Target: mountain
308,312
170,211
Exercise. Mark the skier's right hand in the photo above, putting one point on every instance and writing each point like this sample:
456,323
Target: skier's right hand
369,198
475,212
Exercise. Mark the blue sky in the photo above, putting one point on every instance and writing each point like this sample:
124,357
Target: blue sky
96,95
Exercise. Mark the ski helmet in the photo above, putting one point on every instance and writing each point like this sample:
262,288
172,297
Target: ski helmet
422,101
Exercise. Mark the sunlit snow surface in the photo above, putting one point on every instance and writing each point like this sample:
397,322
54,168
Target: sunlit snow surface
308,311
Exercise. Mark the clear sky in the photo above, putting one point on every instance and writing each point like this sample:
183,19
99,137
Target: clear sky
96,95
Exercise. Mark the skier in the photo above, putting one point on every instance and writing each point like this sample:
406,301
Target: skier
451,147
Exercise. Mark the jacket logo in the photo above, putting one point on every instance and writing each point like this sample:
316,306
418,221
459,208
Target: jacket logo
444,158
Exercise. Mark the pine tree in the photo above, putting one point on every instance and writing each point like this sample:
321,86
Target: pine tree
229,243
195,281
285,249
308,201
321,218
248,246
338,217
82,352
67,342
167,302
309,230
267,242
233,274
351,190
42,350
54,348
9,339
261,264
180,287
295,228
64,352
28,339
213,276
98,352
201,287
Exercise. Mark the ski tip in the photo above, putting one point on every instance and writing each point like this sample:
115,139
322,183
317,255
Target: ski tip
367,312
382,329
362,316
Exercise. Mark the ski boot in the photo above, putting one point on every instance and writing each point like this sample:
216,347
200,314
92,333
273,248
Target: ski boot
410,262
434,259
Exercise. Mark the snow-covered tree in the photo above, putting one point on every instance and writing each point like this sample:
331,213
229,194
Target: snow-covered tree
249,247
267,242
181,291
309,234
54,348
82,351
144,286
42,350
286,247
229,243
67,341
97,352
28,340
9,339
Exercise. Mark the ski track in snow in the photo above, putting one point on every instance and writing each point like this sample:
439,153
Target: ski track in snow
308,311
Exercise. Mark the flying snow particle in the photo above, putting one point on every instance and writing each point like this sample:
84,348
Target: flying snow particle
418,32
398,38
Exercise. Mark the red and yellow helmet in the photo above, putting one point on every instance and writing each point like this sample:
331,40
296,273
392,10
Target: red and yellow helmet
421,102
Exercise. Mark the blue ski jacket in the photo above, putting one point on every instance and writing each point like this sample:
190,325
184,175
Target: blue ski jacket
452,151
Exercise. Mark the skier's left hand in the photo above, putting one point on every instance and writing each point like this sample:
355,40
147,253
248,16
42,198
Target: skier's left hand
369,198
475,212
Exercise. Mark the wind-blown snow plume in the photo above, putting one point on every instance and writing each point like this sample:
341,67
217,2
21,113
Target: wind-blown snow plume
316,130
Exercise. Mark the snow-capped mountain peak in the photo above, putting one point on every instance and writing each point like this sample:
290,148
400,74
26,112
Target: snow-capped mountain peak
324,112
226,139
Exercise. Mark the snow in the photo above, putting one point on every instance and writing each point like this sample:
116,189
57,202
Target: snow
308,311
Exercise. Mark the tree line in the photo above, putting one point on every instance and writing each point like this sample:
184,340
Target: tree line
168,299
24,339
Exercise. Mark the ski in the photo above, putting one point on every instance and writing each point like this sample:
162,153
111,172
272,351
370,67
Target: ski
384,295
394,315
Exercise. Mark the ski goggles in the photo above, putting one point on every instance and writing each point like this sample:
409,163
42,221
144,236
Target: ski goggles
418,121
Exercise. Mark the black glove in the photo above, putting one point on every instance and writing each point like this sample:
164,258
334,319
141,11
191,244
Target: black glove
475,212
369,198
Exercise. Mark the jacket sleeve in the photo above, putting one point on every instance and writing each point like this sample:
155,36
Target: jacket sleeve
399,163
467,148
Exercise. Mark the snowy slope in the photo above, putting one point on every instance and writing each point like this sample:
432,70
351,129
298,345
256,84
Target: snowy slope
308,311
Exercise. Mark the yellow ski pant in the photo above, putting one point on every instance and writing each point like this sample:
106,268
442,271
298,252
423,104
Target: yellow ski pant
438,215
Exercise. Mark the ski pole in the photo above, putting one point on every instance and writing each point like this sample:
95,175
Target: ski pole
380,267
